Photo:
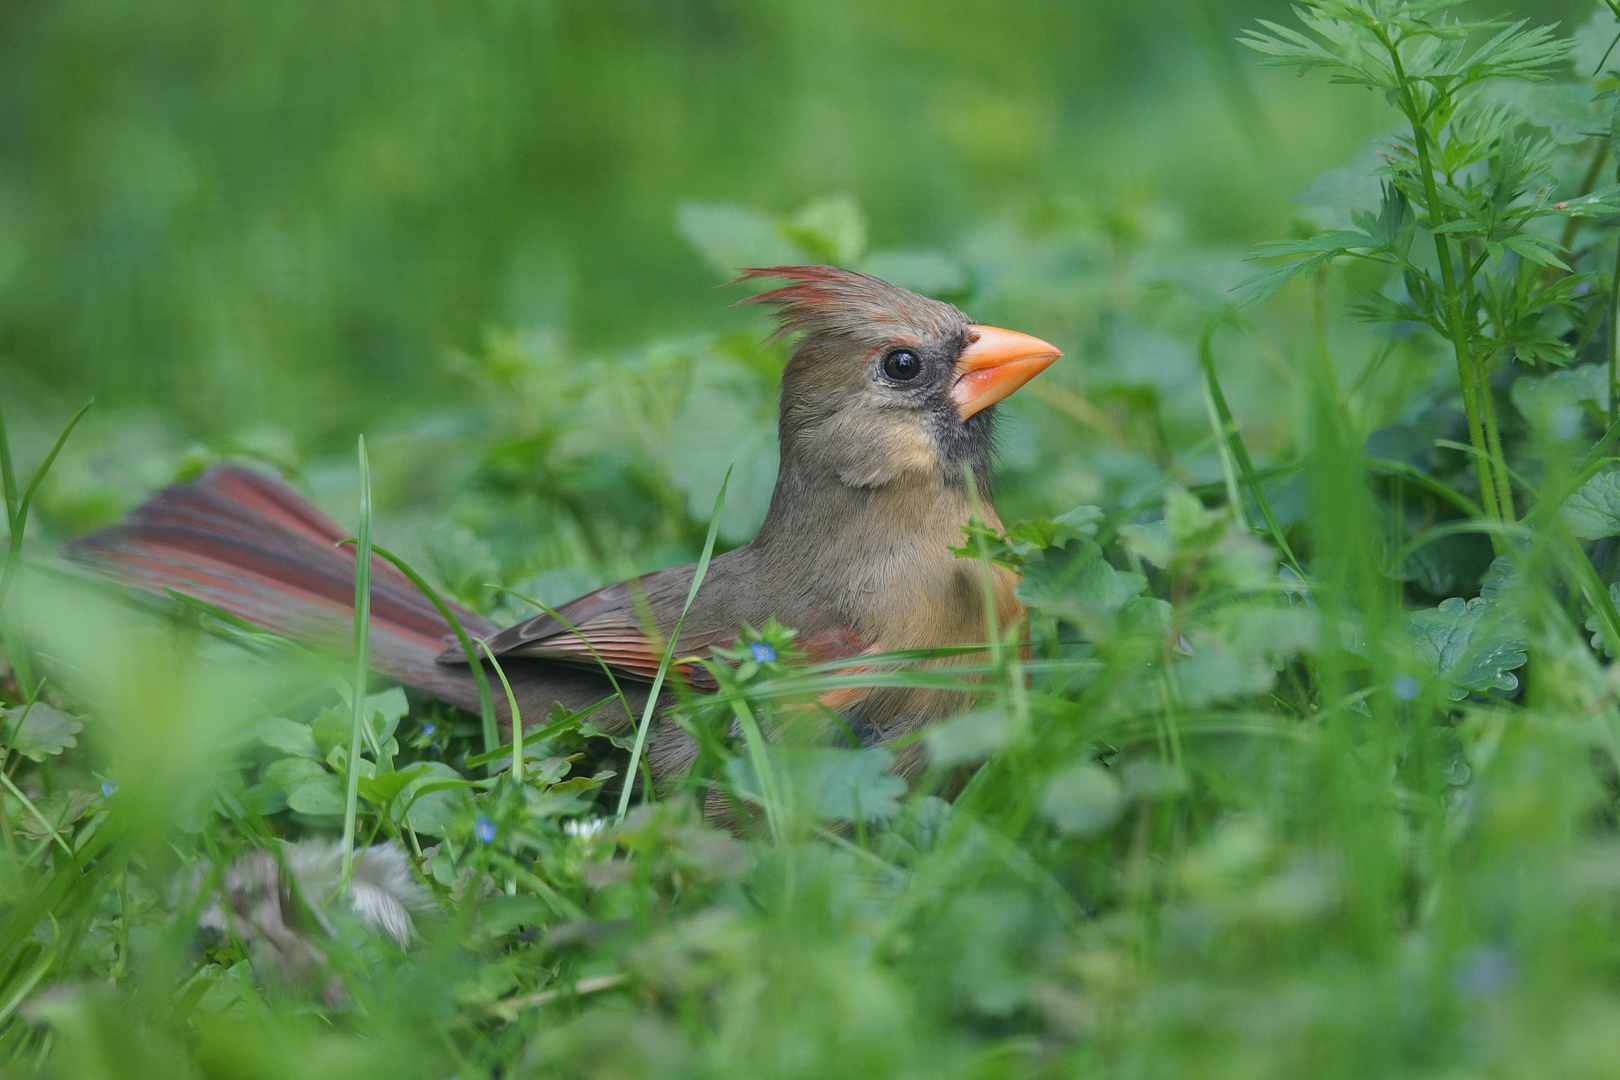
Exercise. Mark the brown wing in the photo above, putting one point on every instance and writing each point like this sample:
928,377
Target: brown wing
610,626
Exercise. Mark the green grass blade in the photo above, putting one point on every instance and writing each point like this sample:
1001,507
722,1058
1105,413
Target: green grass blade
8,475
511,704
486,704
1428,483
603,664
669,649
1240,452
20,518
362,662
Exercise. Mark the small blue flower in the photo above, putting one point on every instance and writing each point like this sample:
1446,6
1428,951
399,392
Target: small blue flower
428,730
1405,687
432,749
762,652
484,829
109,788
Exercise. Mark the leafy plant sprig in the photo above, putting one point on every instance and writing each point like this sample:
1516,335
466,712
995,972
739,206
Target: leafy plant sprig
1464,178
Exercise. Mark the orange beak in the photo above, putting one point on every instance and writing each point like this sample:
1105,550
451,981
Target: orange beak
995,363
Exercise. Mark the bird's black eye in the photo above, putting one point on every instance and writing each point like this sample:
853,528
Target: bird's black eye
902,365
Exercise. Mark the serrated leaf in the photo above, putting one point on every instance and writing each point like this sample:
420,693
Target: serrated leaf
38,731
1593,512
1077,583
1594,624
62,809
1471,646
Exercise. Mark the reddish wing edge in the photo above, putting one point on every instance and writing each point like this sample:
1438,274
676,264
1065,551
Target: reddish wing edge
255,548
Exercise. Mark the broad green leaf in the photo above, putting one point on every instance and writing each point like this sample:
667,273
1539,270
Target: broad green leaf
1559,402
831,230
1498,578
1077,524
973,736
502,914
1083,800
433,808
830,784
733,238
1470,646
289,772
725,421
318,795
330,729
380,790
288,736
62,809
385,709
38,731
1077,583
1593,512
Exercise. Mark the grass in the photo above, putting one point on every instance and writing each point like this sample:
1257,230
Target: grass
1307,762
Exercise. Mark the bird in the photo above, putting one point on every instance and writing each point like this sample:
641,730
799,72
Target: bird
886,426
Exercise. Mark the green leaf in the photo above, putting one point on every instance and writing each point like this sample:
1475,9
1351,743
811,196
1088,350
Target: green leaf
725,422
288,736
380,790
321,795
385,709
1594,624
1078,524
330,730
973,736
1470,646
831,784
38,731
832,230
732,237
1083,800
503,914
435,798
1559,402
289,772
1593,512
1077,583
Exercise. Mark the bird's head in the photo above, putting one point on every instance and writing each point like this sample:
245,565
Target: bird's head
885,383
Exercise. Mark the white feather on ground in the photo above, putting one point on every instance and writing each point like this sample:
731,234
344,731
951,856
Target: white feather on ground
280,915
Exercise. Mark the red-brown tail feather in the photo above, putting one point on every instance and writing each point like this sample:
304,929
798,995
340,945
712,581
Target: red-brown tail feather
259,550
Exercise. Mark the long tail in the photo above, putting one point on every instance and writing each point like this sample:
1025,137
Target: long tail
259,550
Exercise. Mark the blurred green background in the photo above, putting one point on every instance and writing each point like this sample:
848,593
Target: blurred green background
268,227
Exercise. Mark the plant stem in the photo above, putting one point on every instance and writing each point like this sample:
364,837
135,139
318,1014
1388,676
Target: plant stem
362,662
1493,434
1614,341
1468,367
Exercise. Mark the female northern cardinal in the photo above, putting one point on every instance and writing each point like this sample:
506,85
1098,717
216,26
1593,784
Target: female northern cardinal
886,406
